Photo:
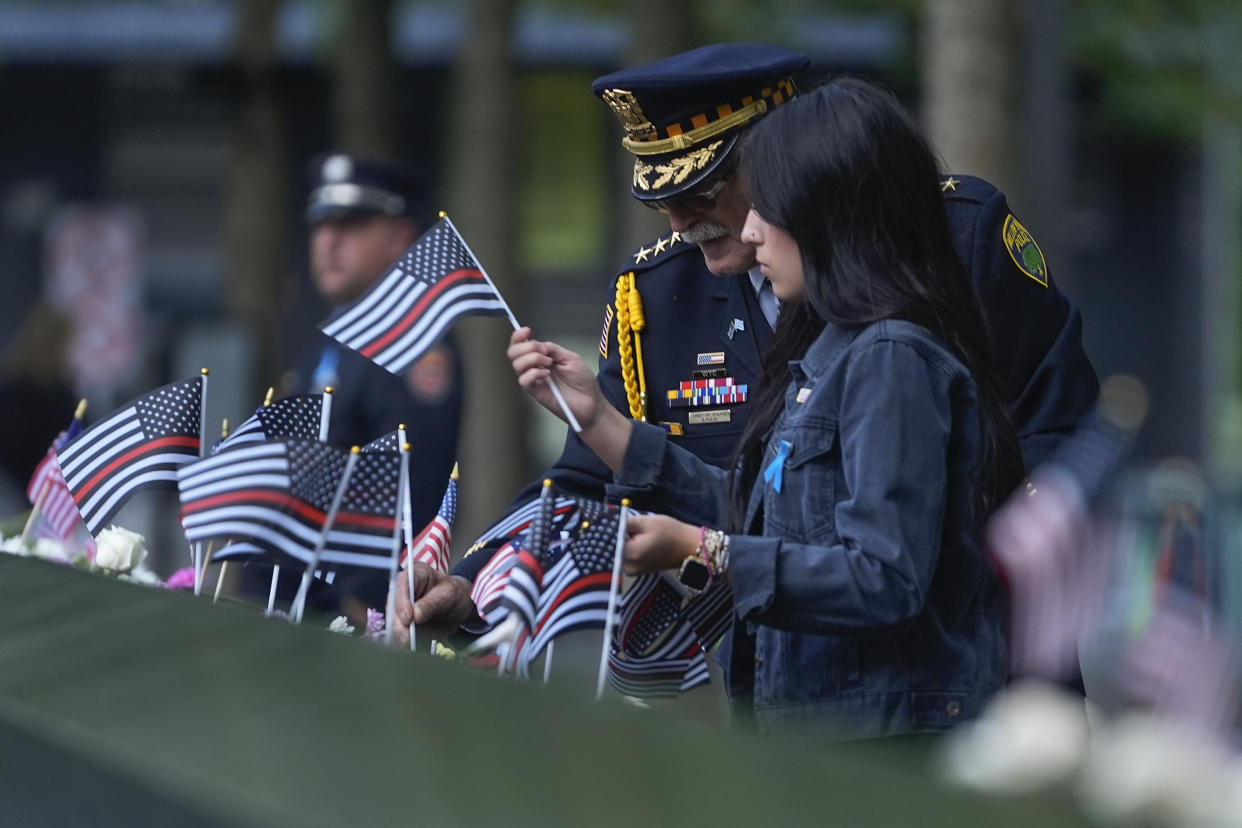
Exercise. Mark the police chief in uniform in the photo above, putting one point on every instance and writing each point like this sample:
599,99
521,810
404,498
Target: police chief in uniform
688,316
363,214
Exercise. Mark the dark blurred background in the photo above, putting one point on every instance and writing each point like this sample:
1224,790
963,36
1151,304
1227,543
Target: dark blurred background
152,157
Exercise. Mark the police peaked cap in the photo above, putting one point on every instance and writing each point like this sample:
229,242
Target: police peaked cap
350,185
683,115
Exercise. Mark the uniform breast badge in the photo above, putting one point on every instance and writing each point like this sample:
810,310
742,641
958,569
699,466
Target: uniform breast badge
712,358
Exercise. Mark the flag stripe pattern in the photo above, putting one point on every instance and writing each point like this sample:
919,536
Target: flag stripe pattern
58,512
246,551
138,447
576,582
276,495
295,417
435,543
659,642
436,281
519,520
521,593
490,584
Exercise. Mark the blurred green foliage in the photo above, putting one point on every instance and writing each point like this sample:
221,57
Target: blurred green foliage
565,173
1158,66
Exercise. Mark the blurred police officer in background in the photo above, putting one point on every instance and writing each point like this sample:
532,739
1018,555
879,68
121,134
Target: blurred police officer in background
363,213
692,306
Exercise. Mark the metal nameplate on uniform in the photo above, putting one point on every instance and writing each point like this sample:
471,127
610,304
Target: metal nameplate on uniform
720,415
709,373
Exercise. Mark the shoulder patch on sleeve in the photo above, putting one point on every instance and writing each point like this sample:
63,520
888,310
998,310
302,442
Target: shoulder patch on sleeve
603,336
1024,251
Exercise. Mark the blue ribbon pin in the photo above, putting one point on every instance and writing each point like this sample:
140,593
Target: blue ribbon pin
777,466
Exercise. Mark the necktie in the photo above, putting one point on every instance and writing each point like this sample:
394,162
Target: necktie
769,304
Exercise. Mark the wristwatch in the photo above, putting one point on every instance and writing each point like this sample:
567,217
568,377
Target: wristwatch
695,574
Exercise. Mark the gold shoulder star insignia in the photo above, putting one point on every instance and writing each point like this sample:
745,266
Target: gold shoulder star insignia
641,255
660,244
948,184
676,237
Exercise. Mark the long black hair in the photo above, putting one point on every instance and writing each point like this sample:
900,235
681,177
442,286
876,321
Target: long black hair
845,171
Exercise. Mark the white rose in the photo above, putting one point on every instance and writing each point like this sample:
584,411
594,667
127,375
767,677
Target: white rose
13,545
119,550
341,624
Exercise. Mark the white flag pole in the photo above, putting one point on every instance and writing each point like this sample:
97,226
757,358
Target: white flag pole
407,524
201,578
203,448
300,601
547,661
614,589
402,497
271,588
325,413
556,391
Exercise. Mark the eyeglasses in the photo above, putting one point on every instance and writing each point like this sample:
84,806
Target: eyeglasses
703,196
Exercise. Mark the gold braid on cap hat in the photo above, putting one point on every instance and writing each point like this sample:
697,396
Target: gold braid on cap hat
640,138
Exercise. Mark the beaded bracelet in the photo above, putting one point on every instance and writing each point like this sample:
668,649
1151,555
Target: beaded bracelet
714,548
702,552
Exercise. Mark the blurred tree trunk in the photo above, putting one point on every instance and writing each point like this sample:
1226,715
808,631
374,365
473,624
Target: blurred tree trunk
482,191
364,79
972,95
257,186
677,31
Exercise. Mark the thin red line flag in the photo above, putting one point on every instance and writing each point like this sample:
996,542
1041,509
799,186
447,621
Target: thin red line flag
398,320
136,447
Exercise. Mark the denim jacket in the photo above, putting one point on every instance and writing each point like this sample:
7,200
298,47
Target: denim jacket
863,602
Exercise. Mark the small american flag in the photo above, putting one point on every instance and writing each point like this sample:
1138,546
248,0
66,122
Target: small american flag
519,520
398,320
276,495
138,447
659,642
491,581
435,543
290,417
388,442
58,513
525,577
576,580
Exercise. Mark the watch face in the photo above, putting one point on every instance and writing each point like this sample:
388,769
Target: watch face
694,574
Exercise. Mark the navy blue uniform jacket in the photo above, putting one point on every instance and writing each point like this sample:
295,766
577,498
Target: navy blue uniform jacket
1035,331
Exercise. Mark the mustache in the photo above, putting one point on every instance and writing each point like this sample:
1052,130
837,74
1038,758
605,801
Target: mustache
704,232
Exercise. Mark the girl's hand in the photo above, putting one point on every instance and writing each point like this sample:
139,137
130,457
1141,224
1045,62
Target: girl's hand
656,542
536,363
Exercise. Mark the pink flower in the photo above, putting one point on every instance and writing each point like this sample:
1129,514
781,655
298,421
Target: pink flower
375,624
181,579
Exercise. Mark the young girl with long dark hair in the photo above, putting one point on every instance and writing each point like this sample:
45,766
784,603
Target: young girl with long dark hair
850,527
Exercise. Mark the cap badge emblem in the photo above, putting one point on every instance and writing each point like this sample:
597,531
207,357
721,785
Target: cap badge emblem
630,113
337,168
